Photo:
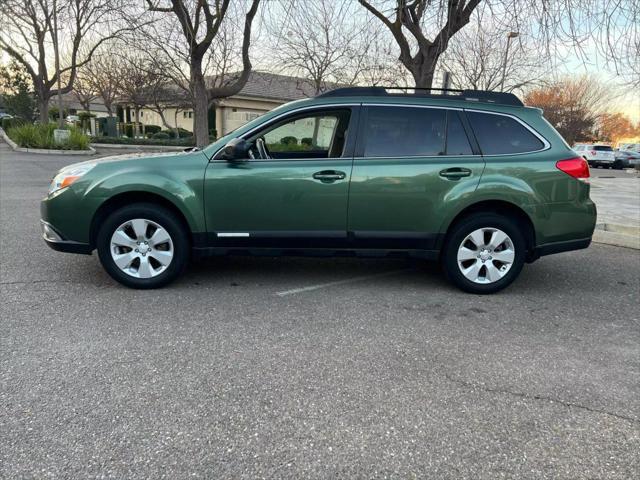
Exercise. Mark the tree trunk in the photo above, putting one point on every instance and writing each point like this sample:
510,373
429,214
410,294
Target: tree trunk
136,131
43,106
200,105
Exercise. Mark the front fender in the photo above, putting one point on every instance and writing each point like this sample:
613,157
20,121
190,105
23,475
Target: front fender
184,195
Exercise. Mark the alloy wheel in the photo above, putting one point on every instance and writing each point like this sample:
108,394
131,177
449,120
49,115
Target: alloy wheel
141,248
486,255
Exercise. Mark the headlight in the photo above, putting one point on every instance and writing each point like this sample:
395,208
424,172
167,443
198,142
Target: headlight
67,176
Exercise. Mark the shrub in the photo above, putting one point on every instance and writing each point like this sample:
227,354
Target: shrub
8,123
161,136
182,142
78,140
130,129
289,140
182,133
151,129
53,113
41,136
306,141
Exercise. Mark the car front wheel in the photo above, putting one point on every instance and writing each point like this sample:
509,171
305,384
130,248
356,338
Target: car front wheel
484,253
143,246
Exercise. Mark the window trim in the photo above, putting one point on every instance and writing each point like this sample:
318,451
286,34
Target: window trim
349,144
545,143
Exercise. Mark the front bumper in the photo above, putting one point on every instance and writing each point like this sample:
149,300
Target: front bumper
57,242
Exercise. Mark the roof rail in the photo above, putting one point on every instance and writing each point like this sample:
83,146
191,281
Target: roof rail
502,98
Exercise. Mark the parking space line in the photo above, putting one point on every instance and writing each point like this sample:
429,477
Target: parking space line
340,282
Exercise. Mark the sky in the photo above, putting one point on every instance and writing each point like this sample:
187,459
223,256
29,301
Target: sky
588,60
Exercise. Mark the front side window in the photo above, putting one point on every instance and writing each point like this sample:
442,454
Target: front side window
603,148
499,134
404,132
314,135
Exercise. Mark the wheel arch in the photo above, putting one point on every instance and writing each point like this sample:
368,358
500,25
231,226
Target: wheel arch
499,207
123,199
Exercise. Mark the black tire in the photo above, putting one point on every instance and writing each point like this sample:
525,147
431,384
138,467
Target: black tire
466,226
617,165
162,217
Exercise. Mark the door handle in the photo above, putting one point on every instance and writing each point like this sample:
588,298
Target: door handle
328,176
455,173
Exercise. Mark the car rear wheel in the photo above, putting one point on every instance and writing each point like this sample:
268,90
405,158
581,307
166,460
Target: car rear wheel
143,246
617,165
484,253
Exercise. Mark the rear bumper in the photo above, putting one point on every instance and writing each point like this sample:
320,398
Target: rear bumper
559,247
57,242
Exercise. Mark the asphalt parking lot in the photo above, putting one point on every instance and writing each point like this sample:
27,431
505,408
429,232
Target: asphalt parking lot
310,368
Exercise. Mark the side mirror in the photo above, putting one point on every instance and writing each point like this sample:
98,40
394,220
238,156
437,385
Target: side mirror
236,150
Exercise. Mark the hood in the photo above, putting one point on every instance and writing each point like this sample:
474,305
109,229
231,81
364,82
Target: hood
124,157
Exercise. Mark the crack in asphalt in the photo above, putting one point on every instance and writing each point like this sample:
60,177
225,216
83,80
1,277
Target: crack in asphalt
528,396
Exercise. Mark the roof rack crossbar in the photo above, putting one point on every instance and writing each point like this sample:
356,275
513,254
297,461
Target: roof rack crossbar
502,98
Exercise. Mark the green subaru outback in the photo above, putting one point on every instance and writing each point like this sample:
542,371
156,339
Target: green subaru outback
473,179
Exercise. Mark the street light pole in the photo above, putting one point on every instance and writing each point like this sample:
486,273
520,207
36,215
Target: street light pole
510,35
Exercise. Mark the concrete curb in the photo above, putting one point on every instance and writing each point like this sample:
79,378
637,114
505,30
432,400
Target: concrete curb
617,235
168,148
15,147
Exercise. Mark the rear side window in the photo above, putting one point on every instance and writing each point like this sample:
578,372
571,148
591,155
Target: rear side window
457,141
499,134
603,148
404,132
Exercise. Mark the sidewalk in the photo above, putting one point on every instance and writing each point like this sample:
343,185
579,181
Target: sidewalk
617,199
618,203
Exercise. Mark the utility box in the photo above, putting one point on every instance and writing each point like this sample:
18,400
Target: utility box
110,128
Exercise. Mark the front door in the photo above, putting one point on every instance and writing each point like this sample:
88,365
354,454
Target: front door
411,164
292,191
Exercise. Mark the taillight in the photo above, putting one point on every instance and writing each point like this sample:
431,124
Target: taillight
577,167
592,152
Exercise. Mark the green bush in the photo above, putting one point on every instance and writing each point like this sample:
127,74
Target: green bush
182,133
152,129
161,136
8,123
78,140
53,113
307,141
182,142
41,136
289,140
130,129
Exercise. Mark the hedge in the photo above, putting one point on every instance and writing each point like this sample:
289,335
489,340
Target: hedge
171,142
41,136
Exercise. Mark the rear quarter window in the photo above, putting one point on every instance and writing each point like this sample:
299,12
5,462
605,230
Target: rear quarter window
499,134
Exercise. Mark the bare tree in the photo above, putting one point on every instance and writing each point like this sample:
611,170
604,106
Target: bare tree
165,47
83,88
104,74
138,79
163,95
200,24
28,31
423,29
411,18
324,41
573,106
476,58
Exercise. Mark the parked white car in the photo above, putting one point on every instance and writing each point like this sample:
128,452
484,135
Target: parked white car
598,155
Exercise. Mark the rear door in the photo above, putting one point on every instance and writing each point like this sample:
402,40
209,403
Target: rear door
412,164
